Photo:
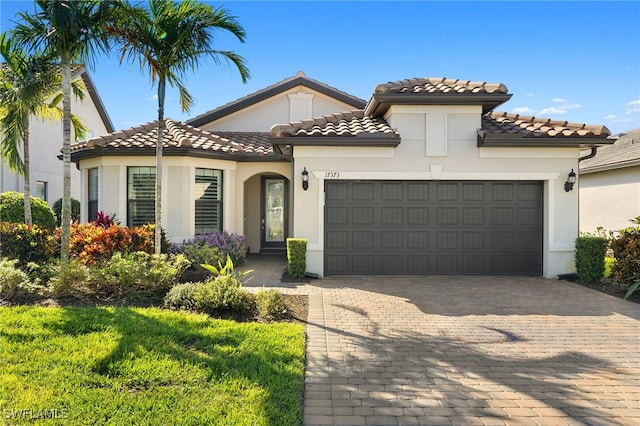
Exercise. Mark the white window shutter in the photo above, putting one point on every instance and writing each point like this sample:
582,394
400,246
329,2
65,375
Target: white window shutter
436,135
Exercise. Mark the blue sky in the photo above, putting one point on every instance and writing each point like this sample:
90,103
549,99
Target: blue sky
574,61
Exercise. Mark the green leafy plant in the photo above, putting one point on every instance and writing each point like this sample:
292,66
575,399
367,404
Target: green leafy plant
296,257
227,270
626,250
75,210
632,289
25,243
270,305
590,253
182,296
69,280
223,295
12,279
12,210
199,253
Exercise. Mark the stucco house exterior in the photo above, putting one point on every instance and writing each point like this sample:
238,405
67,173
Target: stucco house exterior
45,142
610,185
424,178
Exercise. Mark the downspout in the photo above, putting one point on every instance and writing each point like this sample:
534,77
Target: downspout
594,150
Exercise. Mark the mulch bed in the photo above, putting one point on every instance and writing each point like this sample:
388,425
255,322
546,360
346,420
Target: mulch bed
612,288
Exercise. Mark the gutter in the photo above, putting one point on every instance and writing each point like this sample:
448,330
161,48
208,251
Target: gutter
594,150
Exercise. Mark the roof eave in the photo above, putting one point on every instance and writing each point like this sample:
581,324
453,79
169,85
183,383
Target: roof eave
97,101
611,166
491,140
173,152
380,102
368,141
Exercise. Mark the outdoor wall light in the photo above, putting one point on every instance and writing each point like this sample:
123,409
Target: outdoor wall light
305,179
571,180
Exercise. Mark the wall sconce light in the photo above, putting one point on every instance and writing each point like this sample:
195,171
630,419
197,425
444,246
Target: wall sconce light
571,180
305,179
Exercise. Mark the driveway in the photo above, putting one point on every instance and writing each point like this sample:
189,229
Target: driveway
434,350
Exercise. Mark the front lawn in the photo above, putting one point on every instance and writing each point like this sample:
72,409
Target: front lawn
147,366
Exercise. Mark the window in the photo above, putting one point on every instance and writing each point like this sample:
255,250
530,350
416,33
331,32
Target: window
42,190
92,196
208,201
141,189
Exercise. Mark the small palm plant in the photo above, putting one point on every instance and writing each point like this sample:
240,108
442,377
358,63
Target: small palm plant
227,270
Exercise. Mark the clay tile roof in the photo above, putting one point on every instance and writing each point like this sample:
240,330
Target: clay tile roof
533,127
348,123
440,85
625,152
178,135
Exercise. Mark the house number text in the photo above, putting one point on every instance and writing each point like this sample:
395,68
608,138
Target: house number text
332,175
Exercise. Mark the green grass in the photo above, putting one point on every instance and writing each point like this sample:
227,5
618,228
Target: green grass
122,366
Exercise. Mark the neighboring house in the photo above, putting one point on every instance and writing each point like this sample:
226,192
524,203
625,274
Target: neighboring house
46,141
423,179
610,185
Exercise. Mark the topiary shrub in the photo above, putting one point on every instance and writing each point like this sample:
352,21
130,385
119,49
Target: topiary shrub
12,210
590,253
75,210
25,243
296,257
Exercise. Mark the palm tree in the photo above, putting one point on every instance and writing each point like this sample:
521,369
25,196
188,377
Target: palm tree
67,31
168,39
27,84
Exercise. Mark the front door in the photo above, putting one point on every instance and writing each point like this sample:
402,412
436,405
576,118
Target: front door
274,217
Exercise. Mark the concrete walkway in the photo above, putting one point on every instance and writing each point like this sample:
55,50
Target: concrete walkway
433,350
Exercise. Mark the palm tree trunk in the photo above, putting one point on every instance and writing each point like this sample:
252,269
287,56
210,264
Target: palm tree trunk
27,179
66,162
158,205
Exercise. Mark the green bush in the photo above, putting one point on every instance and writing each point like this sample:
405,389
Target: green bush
296,257
25,243
71,280
590,253
222,295
182,296
626,251
200,253
75,210
270,305
12,210
12,279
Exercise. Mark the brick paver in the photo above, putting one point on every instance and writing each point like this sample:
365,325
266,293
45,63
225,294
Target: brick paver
468,350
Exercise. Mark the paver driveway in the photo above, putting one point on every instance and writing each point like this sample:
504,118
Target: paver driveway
470,350
465,350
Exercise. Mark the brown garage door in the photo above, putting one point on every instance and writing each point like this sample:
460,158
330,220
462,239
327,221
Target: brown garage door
433,227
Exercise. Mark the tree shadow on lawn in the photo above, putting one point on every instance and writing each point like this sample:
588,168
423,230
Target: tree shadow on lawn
221,351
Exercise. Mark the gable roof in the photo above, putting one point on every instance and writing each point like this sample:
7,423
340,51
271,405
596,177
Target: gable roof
436,91
178,139
504,129
282,86
625,152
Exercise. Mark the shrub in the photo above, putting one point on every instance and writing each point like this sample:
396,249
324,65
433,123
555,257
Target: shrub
222,295
198,253
296,257
25,243
70,280
182,296
12,279
135,273
75,210
590,253
232,245
12,210
270,305
626,250
105,220
91,243
227,270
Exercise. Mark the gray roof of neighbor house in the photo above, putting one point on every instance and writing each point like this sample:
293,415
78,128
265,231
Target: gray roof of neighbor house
300,79
178,139
625,152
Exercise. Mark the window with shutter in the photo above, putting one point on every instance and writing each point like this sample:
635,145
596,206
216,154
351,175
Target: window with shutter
92,196
141,182
208,201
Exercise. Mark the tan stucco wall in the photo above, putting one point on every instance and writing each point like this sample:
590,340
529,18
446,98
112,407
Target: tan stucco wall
465,161
45,145
609,199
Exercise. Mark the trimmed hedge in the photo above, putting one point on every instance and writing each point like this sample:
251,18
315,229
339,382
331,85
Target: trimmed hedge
590,252
296,257
75,210
12,210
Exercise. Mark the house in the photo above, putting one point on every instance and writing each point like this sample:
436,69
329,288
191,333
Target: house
45,142
424,178
610,185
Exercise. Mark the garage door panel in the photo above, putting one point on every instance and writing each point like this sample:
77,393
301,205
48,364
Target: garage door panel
433,227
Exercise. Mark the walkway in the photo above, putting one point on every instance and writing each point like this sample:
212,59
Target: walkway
466,350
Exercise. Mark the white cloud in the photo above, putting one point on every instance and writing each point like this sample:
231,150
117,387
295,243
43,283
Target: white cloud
609,117
558,100
633,110
553,111
570,106
633,107
531,95
522,110
633,103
